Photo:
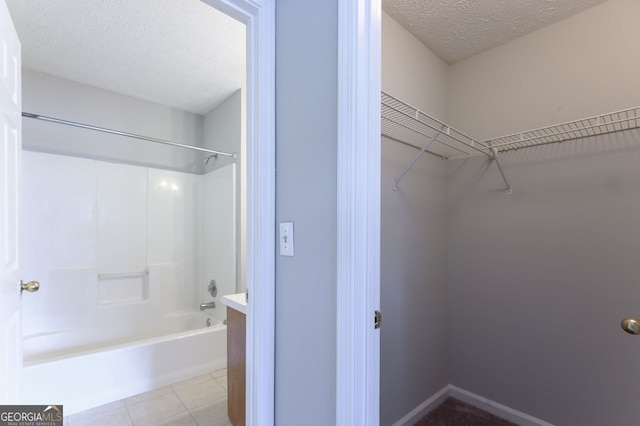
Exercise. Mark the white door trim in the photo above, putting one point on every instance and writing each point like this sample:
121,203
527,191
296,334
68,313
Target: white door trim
259,17
358,343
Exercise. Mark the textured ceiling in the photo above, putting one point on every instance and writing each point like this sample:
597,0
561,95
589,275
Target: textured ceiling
458,29
180,53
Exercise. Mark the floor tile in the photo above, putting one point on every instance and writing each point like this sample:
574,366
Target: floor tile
156,410
222,381
205,396
110,407
218,373
102,409
190,382
201,393
148,395
212,415
119,417
94,412
183,419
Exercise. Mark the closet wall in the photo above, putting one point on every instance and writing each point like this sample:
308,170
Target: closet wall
413,237
582,66
539,280
536,282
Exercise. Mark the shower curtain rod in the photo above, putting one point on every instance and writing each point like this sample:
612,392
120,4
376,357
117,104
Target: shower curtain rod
129,135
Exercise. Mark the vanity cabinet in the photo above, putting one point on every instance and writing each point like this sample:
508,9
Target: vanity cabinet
236,365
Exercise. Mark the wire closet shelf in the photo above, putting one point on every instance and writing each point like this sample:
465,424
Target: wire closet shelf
593,126
408,125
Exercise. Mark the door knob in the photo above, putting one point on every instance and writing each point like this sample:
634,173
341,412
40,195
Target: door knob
631,325
31,286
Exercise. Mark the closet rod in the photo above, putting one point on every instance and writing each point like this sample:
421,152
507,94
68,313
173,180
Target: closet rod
129,135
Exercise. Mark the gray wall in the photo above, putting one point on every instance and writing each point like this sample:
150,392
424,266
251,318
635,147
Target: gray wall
306,146
538,262
579,67
412,72
539,280
56,97
413,251
413,282
223,131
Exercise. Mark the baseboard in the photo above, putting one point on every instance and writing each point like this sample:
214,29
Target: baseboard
423,409
485,404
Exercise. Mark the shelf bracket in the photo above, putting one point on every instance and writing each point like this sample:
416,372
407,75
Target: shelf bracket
422,151
494,157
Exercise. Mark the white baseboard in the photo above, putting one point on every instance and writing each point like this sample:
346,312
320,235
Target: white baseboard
485,404
423,409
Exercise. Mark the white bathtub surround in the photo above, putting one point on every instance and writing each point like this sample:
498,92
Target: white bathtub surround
218,239
102,376
236,301
471,398
124,255
116,248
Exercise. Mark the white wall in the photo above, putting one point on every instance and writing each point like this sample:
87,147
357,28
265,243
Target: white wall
582,66
539,280
414,362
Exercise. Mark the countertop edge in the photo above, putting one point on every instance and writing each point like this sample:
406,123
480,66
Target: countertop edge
236,301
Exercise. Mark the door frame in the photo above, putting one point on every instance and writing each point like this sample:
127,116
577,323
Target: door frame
259,18
358,262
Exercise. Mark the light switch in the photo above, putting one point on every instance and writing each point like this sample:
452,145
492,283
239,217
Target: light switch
286,239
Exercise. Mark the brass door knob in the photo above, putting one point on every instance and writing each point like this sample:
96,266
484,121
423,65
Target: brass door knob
31,286
631,325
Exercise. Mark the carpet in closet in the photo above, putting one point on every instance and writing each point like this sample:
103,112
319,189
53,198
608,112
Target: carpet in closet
453,412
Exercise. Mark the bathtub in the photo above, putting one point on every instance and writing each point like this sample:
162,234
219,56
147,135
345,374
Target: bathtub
91,377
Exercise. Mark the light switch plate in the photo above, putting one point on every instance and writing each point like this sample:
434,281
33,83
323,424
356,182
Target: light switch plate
286,239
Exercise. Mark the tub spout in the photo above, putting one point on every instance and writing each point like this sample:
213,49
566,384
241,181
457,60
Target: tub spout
208,305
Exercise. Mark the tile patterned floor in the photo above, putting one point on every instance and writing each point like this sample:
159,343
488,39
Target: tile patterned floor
201,401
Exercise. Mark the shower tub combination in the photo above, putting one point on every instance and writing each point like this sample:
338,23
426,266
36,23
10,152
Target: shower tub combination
124,255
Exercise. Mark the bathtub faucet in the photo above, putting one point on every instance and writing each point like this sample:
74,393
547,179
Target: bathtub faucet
208,305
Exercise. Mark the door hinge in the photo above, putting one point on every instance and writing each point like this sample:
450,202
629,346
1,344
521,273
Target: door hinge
378,319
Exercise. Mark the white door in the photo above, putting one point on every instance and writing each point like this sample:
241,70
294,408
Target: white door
10,150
